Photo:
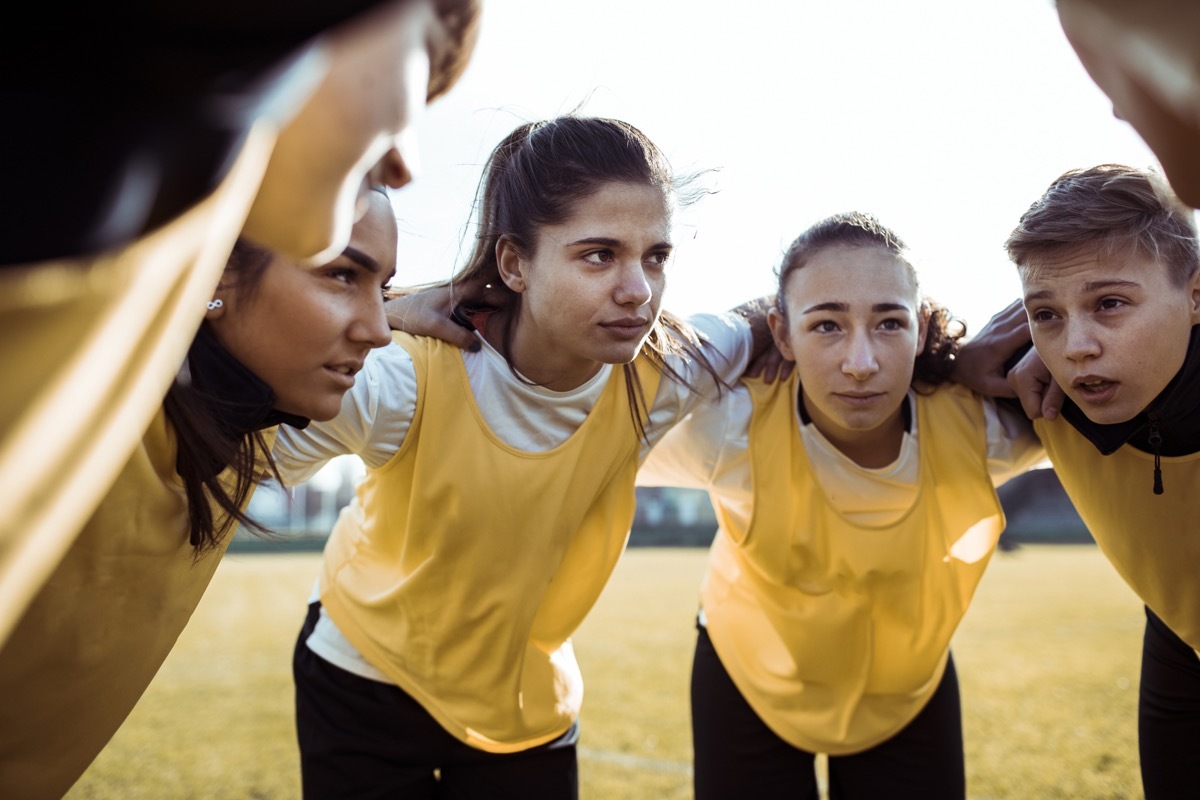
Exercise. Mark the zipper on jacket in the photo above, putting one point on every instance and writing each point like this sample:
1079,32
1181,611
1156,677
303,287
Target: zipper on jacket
1155,440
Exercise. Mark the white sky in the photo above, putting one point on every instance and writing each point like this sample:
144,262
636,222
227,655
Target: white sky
945,119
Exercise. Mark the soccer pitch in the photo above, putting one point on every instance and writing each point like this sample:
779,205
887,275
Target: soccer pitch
1047,659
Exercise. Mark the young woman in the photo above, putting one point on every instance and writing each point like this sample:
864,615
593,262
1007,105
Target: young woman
281,343
857,513
436,658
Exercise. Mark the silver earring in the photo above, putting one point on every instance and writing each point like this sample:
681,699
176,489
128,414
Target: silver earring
213,305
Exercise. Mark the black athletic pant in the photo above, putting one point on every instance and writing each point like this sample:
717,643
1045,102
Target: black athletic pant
737,756
1169,714
365,739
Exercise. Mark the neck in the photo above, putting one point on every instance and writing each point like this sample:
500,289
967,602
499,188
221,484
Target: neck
876,448
872,449
535,359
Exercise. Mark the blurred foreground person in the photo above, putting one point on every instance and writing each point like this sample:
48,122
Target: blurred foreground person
177,126
1146,58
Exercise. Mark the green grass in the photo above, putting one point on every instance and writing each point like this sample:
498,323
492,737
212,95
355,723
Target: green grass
1047,659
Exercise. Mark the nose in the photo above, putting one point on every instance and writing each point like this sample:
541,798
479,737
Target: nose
393,170
370,324
633,287
1081,342
860,361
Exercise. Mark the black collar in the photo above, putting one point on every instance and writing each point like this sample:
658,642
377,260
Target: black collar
238,397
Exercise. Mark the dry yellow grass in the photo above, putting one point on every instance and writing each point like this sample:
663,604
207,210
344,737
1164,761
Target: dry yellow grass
1048,660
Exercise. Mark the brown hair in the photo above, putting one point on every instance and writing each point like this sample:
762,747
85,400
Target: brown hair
536,176
208,444
856,229
1106,210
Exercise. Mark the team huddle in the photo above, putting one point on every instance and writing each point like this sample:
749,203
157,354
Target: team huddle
849,435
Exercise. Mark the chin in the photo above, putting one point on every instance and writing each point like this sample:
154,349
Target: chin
1188,193
618,358
319,410
324,413
1107,415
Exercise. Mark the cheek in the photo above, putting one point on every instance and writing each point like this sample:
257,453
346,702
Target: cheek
1046,343
658,286
658,283
1165,356
814,365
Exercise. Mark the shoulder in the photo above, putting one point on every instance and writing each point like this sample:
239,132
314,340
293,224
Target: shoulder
947,396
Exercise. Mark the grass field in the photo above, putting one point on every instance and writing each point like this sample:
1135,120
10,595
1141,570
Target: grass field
1047,659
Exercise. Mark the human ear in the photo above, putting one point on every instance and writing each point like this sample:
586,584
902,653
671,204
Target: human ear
1193,288
216,306
777,322
510,266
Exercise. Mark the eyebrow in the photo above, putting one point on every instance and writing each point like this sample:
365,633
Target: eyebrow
609,242
365,261
362,259
1087,288
835,305
1113,283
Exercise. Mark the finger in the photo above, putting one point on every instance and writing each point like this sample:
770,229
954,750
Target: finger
450,331
1052,403
1028,393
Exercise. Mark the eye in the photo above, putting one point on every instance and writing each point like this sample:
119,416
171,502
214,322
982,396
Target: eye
659,259
825,326
599,257
1110,303
893,324
343,274
1042,315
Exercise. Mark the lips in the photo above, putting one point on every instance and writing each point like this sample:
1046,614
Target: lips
344,373
627,327
859,398
1094,388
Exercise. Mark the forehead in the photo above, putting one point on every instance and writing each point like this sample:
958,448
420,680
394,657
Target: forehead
854,275
1084,271
634,209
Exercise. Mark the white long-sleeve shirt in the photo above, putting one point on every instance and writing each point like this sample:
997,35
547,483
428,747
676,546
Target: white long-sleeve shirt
709,450
378,411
